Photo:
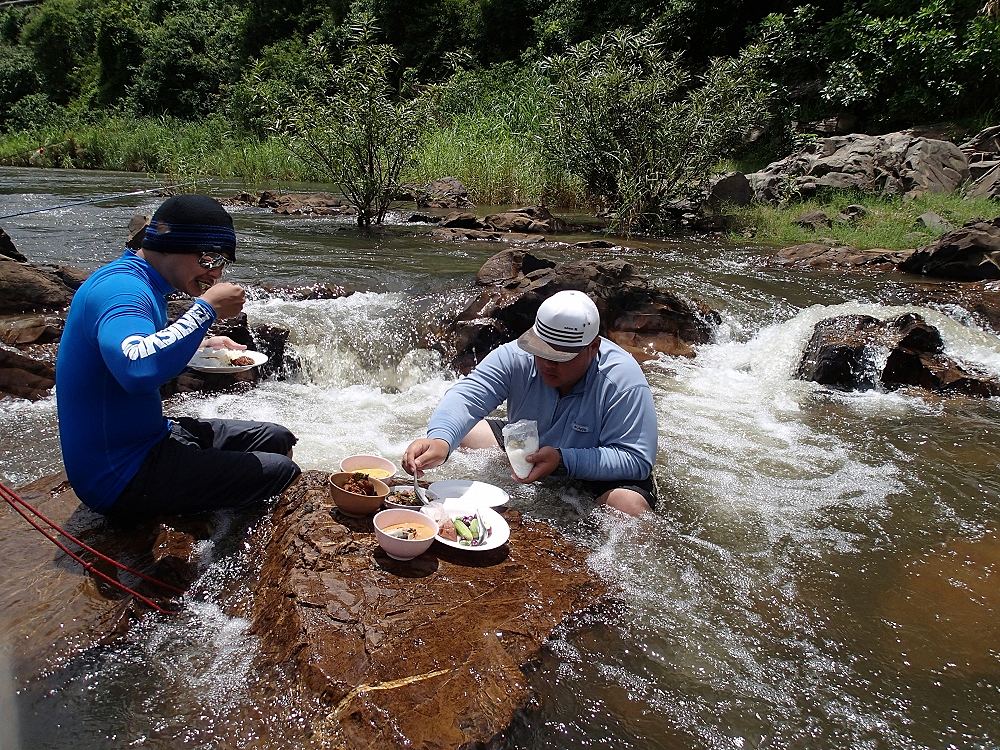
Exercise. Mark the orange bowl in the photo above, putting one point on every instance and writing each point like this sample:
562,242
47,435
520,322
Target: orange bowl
352,503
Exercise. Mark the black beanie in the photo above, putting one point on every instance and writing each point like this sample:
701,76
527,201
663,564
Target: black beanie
191,224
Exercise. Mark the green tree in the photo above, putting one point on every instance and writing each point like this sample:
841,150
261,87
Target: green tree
359,131
628,120
60,36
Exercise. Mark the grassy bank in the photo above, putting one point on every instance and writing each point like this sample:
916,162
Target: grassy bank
889,223
496,165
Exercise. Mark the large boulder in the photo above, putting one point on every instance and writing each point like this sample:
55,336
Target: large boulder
422,654
983,153
848,353
969,253
643,320
892,164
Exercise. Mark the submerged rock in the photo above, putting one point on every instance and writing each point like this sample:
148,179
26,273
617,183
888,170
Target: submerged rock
421,654
818,255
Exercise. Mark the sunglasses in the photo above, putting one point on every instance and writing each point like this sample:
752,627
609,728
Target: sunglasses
211,261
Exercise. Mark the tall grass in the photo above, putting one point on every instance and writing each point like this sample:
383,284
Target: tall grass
497,165
174,148
889,223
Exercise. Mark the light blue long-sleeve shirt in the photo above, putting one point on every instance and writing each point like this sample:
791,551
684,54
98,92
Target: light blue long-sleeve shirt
605,427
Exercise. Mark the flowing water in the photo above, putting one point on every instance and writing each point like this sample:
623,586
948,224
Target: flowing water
822,571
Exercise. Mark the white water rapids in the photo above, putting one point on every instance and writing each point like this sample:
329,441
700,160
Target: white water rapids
780,597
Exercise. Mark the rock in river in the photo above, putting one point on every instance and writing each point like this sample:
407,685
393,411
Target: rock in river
420,654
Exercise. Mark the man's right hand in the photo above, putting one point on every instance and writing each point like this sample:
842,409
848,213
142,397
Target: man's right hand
225,298
423,454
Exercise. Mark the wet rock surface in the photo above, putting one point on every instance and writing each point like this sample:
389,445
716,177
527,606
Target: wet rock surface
859,352
818,255
423,654
52,605
969,253
641,319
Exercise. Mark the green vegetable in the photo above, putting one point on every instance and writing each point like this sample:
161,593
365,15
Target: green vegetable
463,530
474,527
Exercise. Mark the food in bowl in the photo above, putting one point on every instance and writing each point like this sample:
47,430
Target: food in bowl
409,530
374,466
403,497
342,486
242,361
360,484
404,534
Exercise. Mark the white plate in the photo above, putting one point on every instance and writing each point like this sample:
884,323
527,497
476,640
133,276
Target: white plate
201,364
499,530
467,490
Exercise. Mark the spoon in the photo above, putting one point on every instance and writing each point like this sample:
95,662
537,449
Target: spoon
418,490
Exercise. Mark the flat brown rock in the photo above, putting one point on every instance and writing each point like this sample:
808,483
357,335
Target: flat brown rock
420,654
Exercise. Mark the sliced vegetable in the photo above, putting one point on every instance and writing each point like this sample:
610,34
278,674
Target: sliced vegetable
463,530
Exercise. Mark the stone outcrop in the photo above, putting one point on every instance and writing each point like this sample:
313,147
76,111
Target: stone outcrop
641,319
892,164
859,352
981,299
444,192
818,255
983,153
420,654
519,223
307,204
969,253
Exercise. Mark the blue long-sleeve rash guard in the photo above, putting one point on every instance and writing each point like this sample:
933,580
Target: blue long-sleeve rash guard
116,352
605,427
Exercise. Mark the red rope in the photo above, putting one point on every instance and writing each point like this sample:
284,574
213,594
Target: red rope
15,501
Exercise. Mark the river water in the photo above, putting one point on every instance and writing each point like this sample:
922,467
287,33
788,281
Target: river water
822,573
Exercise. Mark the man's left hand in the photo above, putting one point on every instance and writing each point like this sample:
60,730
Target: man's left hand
546,460
221,342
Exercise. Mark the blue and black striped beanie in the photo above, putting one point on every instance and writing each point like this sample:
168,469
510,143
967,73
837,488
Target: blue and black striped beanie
191,224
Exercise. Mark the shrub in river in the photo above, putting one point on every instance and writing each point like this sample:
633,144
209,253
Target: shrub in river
626,119
359,132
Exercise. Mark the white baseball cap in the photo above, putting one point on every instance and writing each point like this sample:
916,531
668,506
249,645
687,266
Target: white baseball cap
565,323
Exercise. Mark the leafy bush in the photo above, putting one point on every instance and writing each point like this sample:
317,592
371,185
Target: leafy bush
18,78
626,119
888,62
358,131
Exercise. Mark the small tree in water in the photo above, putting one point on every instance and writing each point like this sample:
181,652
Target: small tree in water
628,121
359,132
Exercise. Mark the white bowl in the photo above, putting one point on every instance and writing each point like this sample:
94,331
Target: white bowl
403,549
373,466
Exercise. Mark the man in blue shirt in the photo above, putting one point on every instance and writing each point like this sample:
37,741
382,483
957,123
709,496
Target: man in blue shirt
123,457
593,406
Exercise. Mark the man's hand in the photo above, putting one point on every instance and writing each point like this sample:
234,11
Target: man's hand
546,460
225,298
423,454
221,342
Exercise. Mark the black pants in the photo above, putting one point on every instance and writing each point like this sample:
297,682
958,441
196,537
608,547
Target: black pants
207,464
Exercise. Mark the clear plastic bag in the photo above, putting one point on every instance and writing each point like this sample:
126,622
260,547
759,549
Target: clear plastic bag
521,440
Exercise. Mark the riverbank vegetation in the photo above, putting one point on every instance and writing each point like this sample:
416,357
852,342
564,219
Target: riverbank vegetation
622,108
888,223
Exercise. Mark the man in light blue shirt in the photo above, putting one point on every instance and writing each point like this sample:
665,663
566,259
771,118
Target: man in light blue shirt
593,406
